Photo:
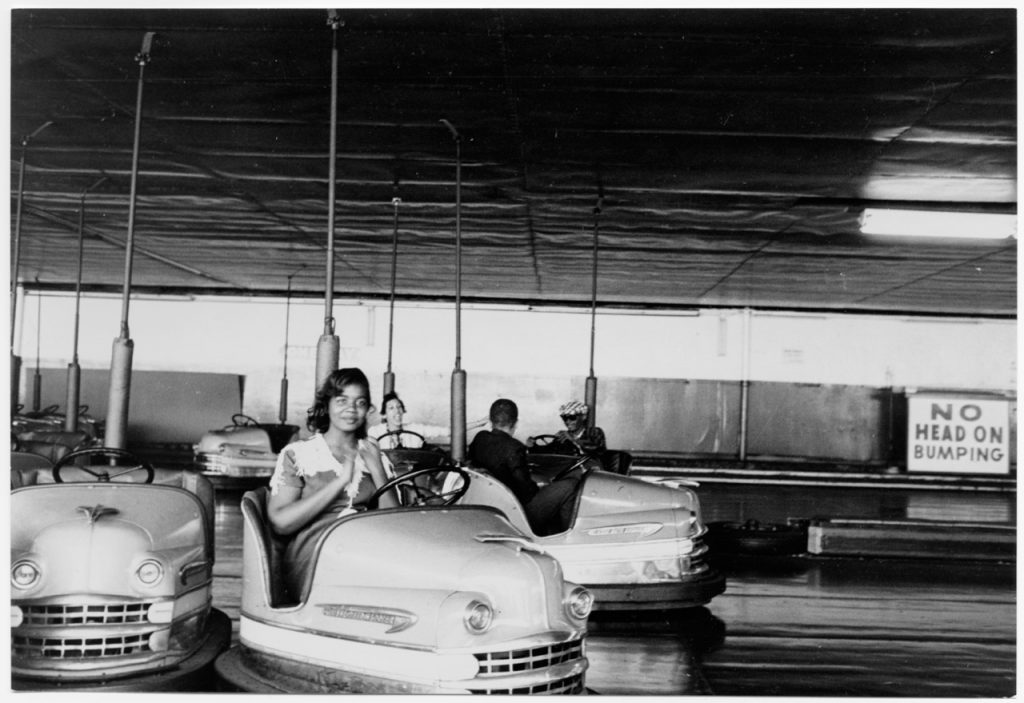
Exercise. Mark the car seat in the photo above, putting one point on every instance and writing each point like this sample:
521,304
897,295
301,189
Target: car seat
617,461
24,461
271,546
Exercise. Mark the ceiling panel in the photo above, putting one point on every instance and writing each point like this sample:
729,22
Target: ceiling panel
723,156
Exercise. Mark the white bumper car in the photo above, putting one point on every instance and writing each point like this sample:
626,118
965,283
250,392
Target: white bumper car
423,599
245,449
112,577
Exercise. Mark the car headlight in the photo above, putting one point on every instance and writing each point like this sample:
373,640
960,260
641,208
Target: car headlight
24,574
479,617
149,572
579,603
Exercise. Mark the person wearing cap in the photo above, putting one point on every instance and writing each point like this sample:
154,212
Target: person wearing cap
577,437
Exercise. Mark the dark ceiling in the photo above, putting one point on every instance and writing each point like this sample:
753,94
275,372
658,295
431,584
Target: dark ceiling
731,152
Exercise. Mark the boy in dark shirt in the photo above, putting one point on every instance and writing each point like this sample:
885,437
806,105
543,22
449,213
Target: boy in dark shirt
548,509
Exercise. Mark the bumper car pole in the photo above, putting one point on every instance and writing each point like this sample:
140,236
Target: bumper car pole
37,378
458,399
590,393
282,408
74,370
745,385
121,355
329,347
15,261
389,376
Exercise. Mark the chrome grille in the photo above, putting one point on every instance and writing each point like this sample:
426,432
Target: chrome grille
79,647
570,685
528,659
215,463
101,614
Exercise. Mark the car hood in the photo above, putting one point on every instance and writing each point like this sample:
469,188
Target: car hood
253,437
91,538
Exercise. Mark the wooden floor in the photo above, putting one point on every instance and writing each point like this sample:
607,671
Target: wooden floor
794,626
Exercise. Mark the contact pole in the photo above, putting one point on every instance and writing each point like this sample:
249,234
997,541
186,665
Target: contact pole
590,397
282,408
745,385
389,376
37,378
328,347
458,399
74,381
15,263
123,347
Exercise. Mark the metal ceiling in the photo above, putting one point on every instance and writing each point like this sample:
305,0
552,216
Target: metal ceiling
731,153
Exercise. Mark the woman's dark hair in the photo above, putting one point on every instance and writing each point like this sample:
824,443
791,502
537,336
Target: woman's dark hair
388,397
317,417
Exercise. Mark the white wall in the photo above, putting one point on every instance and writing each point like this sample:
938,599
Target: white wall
502,344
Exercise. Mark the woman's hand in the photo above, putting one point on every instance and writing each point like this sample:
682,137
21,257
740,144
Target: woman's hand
289,512
372,456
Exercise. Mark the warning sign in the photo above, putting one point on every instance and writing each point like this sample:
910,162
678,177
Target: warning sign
956,434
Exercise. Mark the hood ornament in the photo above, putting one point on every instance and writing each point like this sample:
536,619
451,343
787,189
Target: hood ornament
95,512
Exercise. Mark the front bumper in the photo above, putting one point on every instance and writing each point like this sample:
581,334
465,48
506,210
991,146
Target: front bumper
273,659
193,673
657,595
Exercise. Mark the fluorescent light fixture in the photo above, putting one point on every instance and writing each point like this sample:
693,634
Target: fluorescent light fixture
937,223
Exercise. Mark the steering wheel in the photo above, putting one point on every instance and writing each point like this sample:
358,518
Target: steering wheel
546,441
578,464
399,433
243,420
118,455
425,494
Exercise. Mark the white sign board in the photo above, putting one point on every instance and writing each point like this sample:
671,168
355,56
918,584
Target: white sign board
957,434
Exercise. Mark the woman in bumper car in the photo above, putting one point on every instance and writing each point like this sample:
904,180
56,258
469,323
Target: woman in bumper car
395,433
328,475
399,434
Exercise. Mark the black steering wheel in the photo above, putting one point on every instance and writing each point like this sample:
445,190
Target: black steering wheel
399,433
48,410
426,492
578,464
130,463
243,420
546,441
543,440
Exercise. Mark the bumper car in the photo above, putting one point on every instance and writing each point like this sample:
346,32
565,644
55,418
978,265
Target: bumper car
245,449
634,544
758,539
428,598
550,450
43,433
423,455
111,577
